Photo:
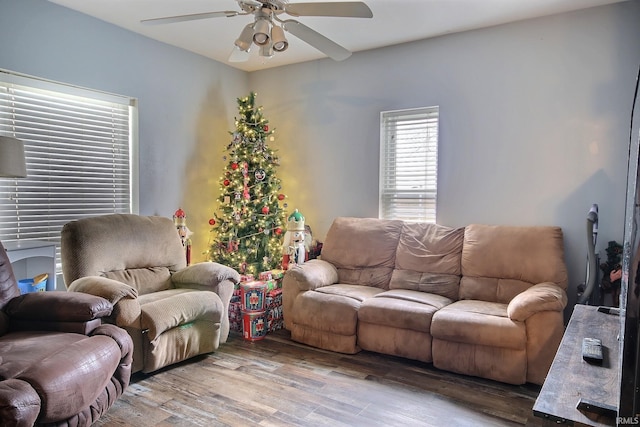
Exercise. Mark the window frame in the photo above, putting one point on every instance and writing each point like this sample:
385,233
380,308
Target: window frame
396,201
50,117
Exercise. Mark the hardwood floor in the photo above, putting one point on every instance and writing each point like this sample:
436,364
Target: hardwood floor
276,382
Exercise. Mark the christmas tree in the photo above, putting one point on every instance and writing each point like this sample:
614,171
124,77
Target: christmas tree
249,222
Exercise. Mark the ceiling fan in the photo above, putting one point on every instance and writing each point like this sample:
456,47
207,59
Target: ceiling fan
265,32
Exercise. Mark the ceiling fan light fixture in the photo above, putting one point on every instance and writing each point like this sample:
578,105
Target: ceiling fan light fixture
278,40
243,42
261,32
266,51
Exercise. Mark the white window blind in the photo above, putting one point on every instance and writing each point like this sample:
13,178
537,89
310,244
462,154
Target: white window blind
409,164
78,154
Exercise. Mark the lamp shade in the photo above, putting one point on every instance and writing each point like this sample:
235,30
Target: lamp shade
12,162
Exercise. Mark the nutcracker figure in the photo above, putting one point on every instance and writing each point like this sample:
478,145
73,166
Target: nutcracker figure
294,250
180,221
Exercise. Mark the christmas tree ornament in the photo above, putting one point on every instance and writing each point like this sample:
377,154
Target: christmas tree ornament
281,196
265,210
212,222
260,175
226,182
234,165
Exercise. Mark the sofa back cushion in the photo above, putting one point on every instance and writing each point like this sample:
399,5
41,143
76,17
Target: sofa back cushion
499,262
362,250
428,259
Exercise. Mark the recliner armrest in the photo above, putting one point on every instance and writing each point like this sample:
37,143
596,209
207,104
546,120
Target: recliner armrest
208,274
541,297
109,289
213,277
126,309
57,310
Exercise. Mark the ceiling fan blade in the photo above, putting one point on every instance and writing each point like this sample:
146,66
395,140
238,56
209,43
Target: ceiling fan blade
192,17
317,40
251,3
349,9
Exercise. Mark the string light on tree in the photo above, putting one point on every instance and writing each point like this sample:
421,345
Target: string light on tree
251,208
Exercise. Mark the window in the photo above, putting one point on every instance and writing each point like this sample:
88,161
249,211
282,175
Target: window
78,148
409,164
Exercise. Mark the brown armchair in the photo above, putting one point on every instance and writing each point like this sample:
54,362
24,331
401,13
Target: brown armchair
58,364
172,312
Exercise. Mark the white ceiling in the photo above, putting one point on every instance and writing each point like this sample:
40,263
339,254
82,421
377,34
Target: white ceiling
393,22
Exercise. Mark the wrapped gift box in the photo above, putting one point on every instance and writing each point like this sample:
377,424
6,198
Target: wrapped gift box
271,275
273,302
253,295
247,278
235,314
254,325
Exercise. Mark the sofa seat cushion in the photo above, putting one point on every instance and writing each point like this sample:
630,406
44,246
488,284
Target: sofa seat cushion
403,309
69,371
480,323
357,292
332,308
164,310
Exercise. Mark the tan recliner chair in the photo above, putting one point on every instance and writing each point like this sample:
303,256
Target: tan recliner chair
172,312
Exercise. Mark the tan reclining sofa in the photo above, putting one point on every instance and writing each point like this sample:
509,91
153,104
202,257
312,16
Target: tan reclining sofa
481,300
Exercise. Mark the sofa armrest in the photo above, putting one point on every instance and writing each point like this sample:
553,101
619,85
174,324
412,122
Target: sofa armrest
541,297
126,309
312,275
57,310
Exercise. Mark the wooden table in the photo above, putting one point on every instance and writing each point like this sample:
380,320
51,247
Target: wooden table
571,379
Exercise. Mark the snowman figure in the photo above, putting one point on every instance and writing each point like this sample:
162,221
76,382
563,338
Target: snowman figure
293,247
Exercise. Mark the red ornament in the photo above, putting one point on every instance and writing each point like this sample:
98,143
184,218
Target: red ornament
212,221
265,210
234,166
280,196
278,231
226,182
266,128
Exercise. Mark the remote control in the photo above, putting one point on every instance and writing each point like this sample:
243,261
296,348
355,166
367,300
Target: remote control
592,350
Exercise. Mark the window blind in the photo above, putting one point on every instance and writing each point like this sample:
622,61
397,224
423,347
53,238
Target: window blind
78,154
409,164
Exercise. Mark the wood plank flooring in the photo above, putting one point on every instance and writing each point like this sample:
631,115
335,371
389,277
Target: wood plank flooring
277,382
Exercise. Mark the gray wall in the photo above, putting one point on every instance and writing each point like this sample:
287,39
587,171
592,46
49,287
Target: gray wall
534,116
186,102
534,123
